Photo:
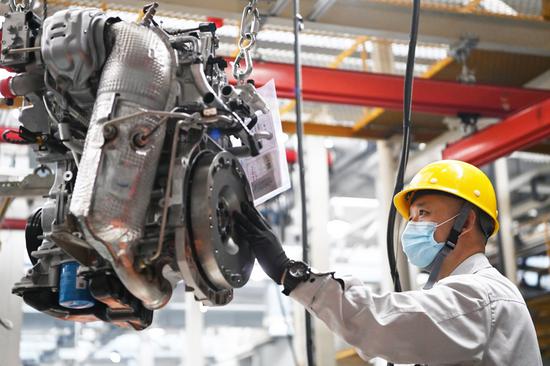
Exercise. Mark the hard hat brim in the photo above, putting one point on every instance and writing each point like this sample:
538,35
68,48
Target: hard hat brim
402,201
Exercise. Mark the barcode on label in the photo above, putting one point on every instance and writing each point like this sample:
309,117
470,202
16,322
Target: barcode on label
268,162
264,184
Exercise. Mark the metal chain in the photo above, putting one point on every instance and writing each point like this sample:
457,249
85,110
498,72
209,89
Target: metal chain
250,24
21,6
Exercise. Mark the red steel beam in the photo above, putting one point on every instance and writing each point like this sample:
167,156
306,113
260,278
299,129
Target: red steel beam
386,91
519,131
13,224
11,135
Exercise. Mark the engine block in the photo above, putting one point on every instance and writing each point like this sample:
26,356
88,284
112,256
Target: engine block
134,121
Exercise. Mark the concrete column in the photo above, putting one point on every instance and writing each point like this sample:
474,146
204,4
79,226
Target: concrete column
502,182
384,192
194,327
317,181
387,169
279,326
12,252
407,273
278,306
382,61
299,339
382,56
146,351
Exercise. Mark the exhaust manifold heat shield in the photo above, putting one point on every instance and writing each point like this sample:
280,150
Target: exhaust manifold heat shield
116,177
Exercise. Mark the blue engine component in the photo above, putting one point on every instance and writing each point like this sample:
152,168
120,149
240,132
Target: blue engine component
215,134
73,290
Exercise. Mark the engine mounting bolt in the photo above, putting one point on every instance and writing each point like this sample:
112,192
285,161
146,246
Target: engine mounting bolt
109,132
140,140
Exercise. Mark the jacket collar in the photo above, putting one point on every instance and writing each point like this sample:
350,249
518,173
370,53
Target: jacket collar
472,265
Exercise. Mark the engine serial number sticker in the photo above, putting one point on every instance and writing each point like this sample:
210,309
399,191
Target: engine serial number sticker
268,172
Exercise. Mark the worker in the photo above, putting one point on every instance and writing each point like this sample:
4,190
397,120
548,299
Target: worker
467,314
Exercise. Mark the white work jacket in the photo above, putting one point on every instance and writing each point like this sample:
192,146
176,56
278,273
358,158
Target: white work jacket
475,316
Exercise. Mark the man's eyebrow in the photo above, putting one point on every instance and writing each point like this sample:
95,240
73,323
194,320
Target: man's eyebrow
419,203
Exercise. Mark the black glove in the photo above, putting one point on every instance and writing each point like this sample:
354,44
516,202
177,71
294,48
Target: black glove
252,228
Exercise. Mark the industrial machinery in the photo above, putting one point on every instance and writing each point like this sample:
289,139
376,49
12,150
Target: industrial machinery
142,135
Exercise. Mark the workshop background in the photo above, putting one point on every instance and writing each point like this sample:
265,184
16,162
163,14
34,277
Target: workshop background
482,96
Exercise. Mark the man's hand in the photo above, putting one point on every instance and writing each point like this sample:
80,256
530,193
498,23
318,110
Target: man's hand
251,227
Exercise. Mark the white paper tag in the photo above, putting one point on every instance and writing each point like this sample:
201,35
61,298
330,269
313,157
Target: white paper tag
268,172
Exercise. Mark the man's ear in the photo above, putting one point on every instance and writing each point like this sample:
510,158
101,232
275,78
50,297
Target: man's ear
470,223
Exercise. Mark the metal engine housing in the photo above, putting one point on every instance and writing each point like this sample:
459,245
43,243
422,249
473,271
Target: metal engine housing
143,193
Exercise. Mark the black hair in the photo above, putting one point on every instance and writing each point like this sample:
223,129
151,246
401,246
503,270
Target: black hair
484,222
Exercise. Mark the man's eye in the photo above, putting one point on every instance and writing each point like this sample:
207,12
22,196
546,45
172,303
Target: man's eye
422,212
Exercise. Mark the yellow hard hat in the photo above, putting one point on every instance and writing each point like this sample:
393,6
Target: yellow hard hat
454,177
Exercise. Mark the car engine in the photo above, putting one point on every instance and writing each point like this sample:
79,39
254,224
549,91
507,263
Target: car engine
141,134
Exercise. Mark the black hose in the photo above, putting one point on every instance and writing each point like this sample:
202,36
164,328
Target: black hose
407,108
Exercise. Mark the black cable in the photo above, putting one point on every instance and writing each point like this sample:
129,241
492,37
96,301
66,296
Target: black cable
406,141
407,108
299,136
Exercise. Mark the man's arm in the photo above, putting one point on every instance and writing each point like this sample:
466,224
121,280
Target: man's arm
447,324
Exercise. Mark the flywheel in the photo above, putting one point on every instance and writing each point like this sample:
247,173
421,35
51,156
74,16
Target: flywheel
218,186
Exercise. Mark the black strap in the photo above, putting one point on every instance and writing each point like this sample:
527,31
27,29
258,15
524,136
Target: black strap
290,282
450,244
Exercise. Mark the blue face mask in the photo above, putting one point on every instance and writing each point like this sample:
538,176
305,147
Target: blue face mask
419,243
